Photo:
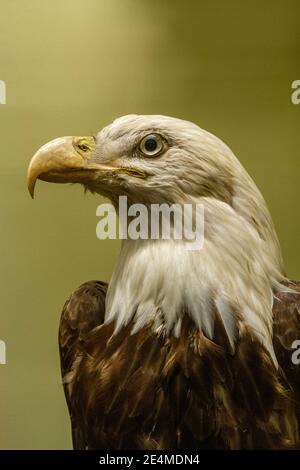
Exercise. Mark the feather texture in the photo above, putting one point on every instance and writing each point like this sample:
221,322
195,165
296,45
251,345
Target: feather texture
151,390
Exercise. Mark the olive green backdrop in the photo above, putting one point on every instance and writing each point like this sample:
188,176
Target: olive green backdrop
72,66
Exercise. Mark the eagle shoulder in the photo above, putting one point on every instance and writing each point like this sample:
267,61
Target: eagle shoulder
82,312
286,333
123,388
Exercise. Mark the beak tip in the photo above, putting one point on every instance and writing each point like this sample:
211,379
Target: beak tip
30,186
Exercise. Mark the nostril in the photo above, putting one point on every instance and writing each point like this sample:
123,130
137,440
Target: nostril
83,147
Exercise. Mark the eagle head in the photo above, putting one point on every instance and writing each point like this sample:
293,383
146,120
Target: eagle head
159,159
150,159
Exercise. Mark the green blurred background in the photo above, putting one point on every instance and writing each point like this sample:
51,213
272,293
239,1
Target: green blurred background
71,67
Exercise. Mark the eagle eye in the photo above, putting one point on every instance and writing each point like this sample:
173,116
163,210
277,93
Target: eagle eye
151,145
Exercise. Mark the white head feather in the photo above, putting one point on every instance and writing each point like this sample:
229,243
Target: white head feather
240,263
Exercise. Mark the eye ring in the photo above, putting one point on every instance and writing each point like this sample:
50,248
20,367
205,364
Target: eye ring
151,145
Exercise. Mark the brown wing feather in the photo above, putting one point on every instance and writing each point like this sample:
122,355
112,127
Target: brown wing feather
82,312
286,331
149,391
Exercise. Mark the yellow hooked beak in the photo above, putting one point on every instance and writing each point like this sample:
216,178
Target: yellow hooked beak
64,160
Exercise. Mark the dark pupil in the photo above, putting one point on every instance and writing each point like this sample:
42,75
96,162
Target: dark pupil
150,145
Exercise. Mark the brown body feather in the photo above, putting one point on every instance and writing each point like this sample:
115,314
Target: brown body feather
149,391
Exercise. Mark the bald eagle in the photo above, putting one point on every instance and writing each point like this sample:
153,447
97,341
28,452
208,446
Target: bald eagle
183,349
